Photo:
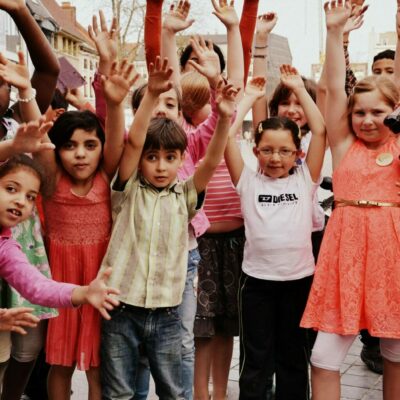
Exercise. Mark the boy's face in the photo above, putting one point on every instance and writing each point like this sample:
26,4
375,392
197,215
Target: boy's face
384,67
160,167
167,106
18,192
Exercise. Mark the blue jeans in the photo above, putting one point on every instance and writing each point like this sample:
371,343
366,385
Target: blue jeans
187,311
159,331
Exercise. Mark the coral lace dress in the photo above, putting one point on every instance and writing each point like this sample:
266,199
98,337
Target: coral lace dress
357,278
77,233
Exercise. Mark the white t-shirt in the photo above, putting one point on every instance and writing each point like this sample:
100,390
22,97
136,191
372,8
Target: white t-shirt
278,223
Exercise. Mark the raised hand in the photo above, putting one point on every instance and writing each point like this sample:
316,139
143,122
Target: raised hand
28,138
337,13
266,23
290,77
99,294
226,13
14,319
256,87
177,18
14,74
116,86
75,98
208,61
159,77
105,40
356,18
225,99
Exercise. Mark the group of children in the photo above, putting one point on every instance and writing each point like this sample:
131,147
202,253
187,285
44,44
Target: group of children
167,233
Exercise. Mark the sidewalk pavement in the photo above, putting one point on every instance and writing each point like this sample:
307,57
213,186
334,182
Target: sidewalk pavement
358,383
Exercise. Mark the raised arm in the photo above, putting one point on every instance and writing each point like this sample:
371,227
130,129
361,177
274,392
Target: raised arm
106,44
175,21
215,151
247,25
255,89
292,80
152,30
116,87
397,55
47,68
28,139
265,25
226,13
159,82
340,136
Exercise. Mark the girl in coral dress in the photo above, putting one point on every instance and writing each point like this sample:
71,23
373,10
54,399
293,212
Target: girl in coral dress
78,226
357,279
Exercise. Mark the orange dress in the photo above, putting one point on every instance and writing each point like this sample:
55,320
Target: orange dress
77,234
357,278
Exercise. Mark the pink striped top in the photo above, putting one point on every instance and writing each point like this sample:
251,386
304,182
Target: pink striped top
222,202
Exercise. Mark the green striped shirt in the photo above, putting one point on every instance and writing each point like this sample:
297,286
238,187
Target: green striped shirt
148,249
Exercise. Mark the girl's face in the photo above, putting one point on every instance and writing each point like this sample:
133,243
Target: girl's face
292,109
367,118
167,106
276,153
18,192
81,155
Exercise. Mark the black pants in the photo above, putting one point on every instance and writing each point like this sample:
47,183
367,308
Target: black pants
271,338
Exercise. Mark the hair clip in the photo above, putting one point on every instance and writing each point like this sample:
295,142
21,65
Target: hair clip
260,128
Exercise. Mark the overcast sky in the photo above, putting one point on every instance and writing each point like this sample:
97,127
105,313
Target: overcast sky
298,20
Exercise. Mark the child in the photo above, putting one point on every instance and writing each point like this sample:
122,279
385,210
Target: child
356,281
149,243
20,182
78,225
278,263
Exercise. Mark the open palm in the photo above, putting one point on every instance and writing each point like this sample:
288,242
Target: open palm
177,18
337,14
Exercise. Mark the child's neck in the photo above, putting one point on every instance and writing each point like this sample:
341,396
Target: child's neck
82,187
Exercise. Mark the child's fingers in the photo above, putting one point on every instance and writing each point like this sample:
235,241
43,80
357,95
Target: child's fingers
103,24
46,146
104,313
21,58
95,25
215,5
18,329
3,59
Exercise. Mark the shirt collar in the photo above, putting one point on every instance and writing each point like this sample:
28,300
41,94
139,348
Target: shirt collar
173,186
5,233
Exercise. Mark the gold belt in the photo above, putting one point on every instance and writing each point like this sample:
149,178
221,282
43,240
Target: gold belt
364,203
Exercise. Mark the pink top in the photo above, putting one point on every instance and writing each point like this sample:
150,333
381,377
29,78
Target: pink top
356,283
198,139
35,287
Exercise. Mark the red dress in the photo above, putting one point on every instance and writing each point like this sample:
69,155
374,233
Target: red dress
357,277
78,229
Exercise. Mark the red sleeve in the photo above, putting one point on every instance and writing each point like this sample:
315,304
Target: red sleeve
152,30
247,27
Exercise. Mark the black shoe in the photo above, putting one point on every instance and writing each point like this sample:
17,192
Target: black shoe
371,356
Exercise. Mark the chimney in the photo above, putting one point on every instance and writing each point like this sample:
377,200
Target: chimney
66,5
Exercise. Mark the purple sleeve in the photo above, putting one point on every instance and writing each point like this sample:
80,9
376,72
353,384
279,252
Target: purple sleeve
28,281
101,106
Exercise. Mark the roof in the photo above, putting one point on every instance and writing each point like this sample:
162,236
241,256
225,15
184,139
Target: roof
65,18
41,15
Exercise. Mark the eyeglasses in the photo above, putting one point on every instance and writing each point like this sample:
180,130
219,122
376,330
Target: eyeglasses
283,153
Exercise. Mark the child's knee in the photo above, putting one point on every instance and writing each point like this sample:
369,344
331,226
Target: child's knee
390,349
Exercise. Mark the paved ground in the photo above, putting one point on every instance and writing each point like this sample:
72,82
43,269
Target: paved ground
358,383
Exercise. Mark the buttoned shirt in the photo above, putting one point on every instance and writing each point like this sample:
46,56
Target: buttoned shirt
148,249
